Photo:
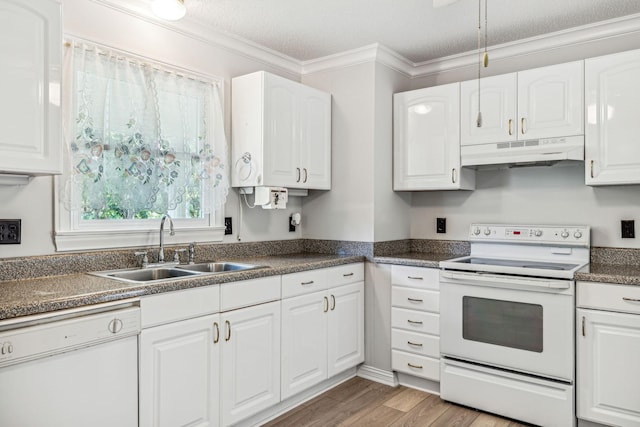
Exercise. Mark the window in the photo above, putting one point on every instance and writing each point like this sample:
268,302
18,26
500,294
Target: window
143,140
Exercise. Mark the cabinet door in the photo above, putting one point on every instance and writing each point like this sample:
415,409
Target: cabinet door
608,368
550,101
426,141
315,139
250,361
30,62
346,327
612,154
498,107
179,374
281,132
304,342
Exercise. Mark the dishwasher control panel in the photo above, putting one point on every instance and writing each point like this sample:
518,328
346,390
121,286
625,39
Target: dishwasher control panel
23,343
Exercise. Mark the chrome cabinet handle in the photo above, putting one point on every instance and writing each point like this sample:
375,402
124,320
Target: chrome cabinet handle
414,300
592,168
333,302
298,172
305,175
227,325
411,365
306,283
523,122
453,175
414,343
631,299
415,277
348,275
415,322
326,304
583,332
509,126
217,333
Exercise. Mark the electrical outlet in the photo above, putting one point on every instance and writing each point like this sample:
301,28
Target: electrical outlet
228,225
10,231
291,226
441,225
628,229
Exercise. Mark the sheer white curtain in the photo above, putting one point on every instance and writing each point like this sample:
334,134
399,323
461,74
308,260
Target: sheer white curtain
143,140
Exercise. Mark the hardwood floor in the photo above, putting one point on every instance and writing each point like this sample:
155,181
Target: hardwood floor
360,402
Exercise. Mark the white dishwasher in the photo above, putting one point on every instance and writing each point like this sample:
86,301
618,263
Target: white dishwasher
73,368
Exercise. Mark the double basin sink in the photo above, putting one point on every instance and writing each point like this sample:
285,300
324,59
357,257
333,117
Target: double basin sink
154,274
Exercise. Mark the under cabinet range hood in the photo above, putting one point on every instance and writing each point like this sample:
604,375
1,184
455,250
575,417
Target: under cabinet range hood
534,152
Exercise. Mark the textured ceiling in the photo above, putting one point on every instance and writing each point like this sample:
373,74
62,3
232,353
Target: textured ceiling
306,29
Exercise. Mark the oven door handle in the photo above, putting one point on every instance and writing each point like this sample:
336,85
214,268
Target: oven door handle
507,282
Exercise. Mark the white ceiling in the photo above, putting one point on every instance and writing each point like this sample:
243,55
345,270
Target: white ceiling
310,29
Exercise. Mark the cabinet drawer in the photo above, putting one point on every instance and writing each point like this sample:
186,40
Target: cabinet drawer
419,366
345,274
415,299
173,306
304,282
415,277
624,298
249,292
422,344
416,321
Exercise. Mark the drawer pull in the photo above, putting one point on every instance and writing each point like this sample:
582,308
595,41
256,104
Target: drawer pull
414,300
417,344
415,322
310,282
347,275
415,277
411,365
631,299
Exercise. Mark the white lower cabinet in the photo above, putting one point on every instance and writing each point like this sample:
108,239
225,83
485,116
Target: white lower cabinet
250,352
415,321
322,331
179,373
608,351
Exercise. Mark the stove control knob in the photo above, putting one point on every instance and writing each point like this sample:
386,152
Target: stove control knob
487,231
564,234
577,234
538,233
476,231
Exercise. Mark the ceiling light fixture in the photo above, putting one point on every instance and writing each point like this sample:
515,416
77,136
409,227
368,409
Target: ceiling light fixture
171,10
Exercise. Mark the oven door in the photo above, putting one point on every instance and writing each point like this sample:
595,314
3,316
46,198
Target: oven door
516,323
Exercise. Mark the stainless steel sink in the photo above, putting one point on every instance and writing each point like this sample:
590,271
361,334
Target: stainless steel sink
149,274
217,267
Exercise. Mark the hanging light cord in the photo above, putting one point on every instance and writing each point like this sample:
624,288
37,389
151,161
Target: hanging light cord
479,118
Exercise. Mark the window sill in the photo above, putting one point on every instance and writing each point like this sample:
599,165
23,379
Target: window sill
101,239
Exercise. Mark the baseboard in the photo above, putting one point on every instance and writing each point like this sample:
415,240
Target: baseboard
378,375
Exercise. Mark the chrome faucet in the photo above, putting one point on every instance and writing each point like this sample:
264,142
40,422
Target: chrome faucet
171,232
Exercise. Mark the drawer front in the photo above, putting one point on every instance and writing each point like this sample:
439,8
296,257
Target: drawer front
413,342
345,274
415,321
623,298
249,292
173,306
415,299
415,277
305,282
419,366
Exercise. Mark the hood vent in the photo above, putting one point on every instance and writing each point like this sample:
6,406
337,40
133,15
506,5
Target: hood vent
534,152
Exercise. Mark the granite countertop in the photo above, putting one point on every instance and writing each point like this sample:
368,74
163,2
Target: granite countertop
46,294
416,259
610,273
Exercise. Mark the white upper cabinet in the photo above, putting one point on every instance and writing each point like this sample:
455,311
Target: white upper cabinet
281,133
541,103
30,61
426,140
612,87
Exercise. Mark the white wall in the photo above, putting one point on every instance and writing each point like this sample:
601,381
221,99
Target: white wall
346,212
538,195
95,22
